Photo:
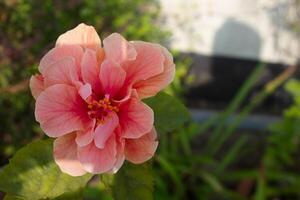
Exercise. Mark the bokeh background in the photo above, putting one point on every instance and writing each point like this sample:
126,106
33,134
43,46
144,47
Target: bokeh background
237,71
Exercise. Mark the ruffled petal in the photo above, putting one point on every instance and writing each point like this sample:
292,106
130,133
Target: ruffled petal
90,70
60,110
117,49
85,91
112,77
65,155
59,53
86,136
36,85
83,35
106,129
141,149
95,160
120,155
61,72
136,118
149,62
151,86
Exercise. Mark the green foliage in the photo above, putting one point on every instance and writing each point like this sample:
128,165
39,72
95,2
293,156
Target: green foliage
134,182
77,195
11,197
169,113
200,170
18,125
33,174
281,155
93,193
287,130
182,77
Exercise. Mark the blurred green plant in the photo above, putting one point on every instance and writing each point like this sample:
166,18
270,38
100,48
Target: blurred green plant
182,77
280,161
204,161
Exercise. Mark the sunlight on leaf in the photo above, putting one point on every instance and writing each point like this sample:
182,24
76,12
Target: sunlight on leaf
169,113
134,182
33,174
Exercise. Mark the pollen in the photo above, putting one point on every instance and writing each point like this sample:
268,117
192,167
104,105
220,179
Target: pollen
101,109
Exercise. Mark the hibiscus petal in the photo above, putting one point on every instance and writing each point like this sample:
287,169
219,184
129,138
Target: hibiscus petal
59,53
85,91
100,55
95,160
83,35
61,72
90,70
148,63
117,49
120,156
112,77
36,85
118,164
104,130
153,85
65,155
60,110
141,149
85,137
136,118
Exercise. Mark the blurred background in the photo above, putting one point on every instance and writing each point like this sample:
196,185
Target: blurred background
237,71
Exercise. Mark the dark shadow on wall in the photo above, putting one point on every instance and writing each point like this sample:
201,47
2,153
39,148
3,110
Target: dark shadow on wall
232,40
236,51
237,39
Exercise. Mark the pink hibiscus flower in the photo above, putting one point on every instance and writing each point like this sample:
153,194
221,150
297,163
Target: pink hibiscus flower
88,97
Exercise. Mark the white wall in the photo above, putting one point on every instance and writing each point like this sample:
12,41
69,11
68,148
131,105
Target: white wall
238,28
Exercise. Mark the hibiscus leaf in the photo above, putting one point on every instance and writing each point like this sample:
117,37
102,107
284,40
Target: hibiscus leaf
33,174
77,195
169,113
133,182
11,197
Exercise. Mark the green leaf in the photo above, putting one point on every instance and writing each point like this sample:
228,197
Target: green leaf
293,87
32,174
77,195
212,181
169,113
134,182
95,192
260,193
11,197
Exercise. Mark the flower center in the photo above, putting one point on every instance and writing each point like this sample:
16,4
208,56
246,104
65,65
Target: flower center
99,110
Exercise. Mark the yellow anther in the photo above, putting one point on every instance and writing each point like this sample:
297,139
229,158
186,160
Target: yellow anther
100,121
106,100
100,109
